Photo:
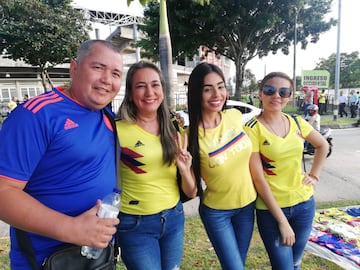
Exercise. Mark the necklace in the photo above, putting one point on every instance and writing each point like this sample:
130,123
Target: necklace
273,130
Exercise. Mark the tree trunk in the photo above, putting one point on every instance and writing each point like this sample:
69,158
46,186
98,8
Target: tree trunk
240,72
165,53
49,79
43,79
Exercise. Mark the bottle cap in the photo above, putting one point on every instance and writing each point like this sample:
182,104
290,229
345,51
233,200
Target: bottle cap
117,190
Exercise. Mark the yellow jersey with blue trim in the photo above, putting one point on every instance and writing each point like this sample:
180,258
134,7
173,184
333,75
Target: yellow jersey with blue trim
148,185
224,163
282,161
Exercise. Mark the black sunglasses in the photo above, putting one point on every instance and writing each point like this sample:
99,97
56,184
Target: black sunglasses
270,90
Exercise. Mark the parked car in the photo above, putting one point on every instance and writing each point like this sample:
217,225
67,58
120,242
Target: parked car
4,110
247,110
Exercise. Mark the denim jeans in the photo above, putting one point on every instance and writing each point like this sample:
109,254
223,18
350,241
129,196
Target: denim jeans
152,241
230,233
300,217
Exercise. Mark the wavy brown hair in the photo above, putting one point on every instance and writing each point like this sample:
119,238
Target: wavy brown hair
128,112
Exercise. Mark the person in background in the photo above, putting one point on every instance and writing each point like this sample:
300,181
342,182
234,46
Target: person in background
314,118
221,153
26,97
151,231
249,99
12,104
322,102
286,192
61,159
353,100
342,104
308,100
358,103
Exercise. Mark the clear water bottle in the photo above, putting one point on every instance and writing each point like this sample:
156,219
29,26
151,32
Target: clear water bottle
109,208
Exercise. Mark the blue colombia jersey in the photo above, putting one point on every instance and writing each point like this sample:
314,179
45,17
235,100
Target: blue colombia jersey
64,151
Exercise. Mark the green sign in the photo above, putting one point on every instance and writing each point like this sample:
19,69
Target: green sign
318,78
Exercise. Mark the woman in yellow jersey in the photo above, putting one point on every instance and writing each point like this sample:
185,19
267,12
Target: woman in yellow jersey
151,229
221,152
285,207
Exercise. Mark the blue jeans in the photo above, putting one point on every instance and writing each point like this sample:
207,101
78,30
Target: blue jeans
152,241
300,217
230,233
305,109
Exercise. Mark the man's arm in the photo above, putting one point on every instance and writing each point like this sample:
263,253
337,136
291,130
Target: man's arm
24,212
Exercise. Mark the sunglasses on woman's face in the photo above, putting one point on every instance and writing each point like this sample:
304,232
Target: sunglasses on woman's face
270,90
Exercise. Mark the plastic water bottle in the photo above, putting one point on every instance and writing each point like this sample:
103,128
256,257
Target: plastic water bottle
109,208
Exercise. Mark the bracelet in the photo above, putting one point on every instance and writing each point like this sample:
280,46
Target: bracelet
314,176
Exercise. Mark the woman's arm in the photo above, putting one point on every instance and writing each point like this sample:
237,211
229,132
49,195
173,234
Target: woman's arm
263,189
321,149
184,162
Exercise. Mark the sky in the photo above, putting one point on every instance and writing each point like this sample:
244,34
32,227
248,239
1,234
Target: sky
327,45
305,59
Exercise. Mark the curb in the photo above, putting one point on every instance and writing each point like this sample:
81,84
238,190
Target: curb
340,126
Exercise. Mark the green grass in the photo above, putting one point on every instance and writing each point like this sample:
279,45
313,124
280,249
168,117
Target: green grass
199,253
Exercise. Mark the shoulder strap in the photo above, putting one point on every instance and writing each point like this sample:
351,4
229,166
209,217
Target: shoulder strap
294,116
26,247
117,144
117,164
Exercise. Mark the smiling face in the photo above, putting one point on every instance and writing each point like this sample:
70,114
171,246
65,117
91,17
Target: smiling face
96,78
214,93
147,91
275,102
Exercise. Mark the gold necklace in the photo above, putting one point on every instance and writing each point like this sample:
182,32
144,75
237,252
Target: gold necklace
273,131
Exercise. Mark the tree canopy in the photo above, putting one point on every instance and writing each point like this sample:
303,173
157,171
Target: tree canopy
42,33
349,69
239,30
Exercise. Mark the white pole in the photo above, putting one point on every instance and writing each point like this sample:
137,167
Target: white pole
295,41
337,66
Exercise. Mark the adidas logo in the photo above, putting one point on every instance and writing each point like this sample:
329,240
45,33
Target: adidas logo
266,143
139,143
69,124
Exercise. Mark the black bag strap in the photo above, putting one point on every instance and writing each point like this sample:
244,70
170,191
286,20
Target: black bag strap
117,164
24,240
117,144
26,247
294,116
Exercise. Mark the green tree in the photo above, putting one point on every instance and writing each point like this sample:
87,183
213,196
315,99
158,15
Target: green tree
241,30
349,69
164,48
42,33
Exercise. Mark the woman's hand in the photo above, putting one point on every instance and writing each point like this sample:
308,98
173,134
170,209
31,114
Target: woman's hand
184,162
183,157
287,234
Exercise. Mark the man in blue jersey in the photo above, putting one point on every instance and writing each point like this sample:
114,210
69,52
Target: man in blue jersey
57,159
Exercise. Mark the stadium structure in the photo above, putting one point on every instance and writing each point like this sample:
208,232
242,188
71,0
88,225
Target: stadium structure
110,20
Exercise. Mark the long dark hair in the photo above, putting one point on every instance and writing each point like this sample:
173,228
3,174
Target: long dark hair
128,112
195,91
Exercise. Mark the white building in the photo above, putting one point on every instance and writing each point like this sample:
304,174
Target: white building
111,20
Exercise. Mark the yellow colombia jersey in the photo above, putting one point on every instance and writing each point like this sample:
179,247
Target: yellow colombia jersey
148,185
224,161
282,161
